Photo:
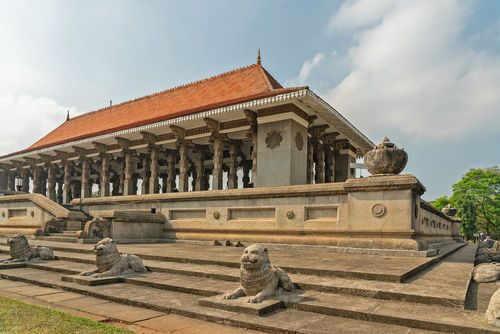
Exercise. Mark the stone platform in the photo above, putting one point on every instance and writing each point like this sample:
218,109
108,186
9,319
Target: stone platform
342,292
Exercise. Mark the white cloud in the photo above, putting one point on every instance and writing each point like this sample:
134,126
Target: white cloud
359,13
412,72
309,66
26,118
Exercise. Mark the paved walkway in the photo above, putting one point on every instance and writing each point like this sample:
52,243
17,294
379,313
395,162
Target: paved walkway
142,321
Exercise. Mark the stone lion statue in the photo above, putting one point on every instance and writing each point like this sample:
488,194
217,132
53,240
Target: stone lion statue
259,280
493,311
111,263
494,249
486,272
21,251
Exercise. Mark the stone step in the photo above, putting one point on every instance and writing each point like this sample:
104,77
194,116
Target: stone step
426,292
180,283
436,318
58,238
393,269
282,321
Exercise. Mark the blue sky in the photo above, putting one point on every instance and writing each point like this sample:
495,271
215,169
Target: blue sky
424,73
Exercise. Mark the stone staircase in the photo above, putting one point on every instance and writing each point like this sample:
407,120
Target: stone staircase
341,293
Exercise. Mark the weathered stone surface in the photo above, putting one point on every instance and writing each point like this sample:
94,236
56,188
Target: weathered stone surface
258,278
493,311
21,251
449,210
240,306
386,158
486,272
111,263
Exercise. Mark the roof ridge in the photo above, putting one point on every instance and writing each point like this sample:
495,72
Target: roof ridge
189,84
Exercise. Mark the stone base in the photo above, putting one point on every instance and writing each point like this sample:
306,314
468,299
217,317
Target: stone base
240,305
87,280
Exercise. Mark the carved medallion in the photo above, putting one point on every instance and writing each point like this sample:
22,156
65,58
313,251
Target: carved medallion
273,139
32,213
290,214
216,215
378,210
299,141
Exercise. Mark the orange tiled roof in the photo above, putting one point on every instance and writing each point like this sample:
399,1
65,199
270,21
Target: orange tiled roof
239,85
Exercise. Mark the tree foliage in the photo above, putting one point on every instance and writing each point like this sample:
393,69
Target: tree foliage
476,196
479,188
440,202
467,212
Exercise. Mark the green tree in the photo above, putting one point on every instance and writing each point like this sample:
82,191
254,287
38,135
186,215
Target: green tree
440,202
476,196
467,212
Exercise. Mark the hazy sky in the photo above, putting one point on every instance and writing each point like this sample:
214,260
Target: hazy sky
424,73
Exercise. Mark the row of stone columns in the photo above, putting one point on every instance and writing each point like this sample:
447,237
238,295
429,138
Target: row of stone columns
62,181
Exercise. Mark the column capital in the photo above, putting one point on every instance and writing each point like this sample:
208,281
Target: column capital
212,125
80,151
316,130
123,142
62,155
5,167
329,138
101,148
150,138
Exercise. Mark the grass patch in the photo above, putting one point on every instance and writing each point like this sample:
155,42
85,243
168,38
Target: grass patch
19,318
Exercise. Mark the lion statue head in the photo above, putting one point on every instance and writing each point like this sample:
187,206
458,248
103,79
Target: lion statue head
255,257
106,254
19,246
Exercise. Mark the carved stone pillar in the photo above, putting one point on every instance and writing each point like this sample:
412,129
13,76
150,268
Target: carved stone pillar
310,161
10,179
218,148
246,173
135,178
51,182
320,164
26,180
75,189
85,184
199,184
232,176
36,180
154,184
104,177
43,182
170,182
329,164
183,167
60,196
128,173
67,183
146,175
252,133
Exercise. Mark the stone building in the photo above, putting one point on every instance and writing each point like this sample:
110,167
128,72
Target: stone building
236,156
238,129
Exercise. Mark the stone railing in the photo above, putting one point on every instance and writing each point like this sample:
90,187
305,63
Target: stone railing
374,212
124,226
34,214
434,223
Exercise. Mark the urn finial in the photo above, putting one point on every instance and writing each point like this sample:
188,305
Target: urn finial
386,158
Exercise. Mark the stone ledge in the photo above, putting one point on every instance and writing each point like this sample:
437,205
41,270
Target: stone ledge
89,281
13,265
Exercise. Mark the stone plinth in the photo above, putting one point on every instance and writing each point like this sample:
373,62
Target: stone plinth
382,212
241,305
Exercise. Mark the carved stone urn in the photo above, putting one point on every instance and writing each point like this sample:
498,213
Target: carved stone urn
386,158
